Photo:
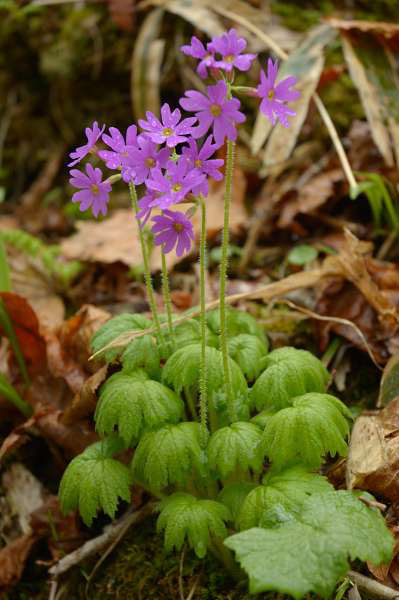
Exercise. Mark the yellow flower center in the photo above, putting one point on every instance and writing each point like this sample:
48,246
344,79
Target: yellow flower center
198,163
176,187
216,110
178,227
167,131
94,189
150,162
229,58
270,94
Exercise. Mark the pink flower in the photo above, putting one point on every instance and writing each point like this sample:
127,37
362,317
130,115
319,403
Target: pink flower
230,47
205,56
169,130
92,137
93,191
118,157
173,229
214,110
275,96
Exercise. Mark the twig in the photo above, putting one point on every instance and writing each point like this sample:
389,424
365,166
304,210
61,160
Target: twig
53,590
191,594
373,587
96,544
181,588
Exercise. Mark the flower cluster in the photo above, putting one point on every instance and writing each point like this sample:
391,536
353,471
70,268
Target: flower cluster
167,156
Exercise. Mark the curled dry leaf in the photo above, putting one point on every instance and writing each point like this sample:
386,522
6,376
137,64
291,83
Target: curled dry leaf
26,326
13,558
24,494
373,462
84,402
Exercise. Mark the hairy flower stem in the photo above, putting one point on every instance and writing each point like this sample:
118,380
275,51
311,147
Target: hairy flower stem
147,271
167,299
203,366
223,276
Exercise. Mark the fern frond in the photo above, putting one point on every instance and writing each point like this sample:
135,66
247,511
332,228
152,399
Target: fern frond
114,328
288,373
315,425
94,480
248,351
287,490
133,403
169,455
185,517
237,446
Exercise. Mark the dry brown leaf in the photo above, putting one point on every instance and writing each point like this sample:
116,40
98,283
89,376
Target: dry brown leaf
122,12
311,196
373,461
24,494
73,439
85,400
13,558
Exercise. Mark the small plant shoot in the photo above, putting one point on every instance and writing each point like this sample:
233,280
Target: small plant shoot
228,435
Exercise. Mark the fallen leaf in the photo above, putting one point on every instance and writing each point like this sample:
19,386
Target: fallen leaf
73,439
122,12
24,494
191,10
373,462
13,558
84,402
310,196
26,326
389,389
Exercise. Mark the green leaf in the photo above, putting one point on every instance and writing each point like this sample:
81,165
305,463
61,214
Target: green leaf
289,373
182,371
134,403
237,321
302,254
234,494
315,425
169,455
114,328
142,352
311,553
189,332
235,447
262,418
185,517
94,480
287,489
247,350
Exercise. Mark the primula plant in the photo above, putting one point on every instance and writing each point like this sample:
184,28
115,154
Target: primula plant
230,437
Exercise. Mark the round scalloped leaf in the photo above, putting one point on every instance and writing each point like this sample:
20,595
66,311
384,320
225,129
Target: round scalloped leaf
235,447
248,351
133,403
288,373
94,480
182,371
287,490
262,418
234,494
237,322
113,328
169,455
184,516
315,425
142,352
189,332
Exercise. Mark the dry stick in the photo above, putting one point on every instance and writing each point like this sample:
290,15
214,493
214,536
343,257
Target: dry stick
373,587
98,543
320,106
293,282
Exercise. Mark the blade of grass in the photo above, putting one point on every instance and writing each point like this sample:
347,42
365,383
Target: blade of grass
10,393
6,324
5,280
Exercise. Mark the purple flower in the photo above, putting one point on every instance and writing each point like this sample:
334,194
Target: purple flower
215,109
199,159
92,137
173,229
145,205
175,184
275,96
198,50
169,130
119,156
145,156
93,191
230,47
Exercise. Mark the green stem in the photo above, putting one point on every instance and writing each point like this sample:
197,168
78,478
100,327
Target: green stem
8,391
147,270
221,551
167,299
203,366
5,280
223,276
